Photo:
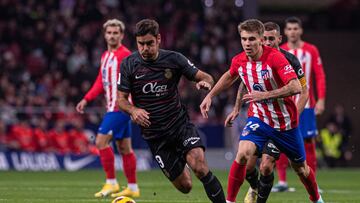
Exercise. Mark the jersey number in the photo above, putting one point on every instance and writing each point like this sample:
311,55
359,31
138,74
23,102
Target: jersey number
252,126
159,160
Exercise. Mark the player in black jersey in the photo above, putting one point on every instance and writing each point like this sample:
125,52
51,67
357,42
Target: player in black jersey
151,75
260,188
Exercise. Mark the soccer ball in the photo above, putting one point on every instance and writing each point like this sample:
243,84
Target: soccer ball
123,199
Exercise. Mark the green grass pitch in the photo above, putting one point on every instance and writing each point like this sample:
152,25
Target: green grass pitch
340,185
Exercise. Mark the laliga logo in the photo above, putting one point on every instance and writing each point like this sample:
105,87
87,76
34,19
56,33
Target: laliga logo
154,88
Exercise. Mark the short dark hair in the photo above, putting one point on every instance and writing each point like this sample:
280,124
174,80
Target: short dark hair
146,26
272,26
293,19
252,25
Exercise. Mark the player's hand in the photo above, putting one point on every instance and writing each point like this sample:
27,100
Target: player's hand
205,107
230,118
141,117
320,107
81,106
254,96
203,85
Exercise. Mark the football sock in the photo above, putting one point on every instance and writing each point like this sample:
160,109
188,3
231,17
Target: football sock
107,161
235,180
281,166
252,178
129,165
111,181
311,186
264,187
213,188
311,156
133,186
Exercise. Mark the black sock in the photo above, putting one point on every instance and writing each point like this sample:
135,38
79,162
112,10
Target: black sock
252,178
213,188
264,187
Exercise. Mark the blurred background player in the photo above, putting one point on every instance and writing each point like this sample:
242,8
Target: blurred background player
115,124
260,188
310,60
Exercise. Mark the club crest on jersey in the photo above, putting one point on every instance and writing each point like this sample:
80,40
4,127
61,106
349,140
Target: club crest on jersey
245,132
265,75
168,74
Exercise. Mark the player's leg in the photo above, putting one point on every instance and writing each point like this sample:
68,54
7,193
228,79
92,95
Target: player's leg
129,167
281,166
123,143
107,161
291,143
252,177
189,143
270,154
196,161
252,139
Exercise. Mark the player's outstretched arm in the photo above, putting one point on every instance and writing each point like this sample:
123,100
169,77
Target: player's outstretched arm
203,80
139,116
224,83
237,107
293,87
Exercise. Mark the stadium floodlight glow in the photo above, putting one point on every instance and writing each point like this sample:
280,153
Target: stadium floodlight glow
239,3
209,3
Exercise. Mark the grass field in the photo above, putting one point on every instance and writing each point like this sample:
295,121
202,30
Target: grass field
79,187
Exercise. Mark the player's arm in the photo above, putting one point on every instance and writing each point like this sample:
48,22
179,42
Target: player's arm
237,107
304,94
226,80
95,90
286,74
203,80
320,81
138,115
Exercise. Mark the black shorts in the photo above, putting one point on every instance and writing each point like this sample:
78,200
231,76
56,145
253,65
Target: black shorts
271,150
170,152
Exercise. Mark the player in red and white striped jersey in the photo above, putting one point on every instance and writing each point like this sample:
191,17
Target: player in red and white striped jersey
310,60
270,81
116,124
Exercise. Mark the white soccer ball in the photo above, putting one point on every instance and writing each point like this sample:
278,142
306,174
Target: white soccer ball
123,199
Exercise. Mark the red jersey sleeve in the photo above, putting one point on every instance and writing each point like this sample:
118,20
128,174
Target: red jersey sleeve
96,89
319,73
283,68
234,67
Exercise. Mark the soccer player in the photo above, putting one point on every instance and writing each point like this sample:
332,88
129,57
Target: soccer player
260,189
116,124
152,75
270,81
310,60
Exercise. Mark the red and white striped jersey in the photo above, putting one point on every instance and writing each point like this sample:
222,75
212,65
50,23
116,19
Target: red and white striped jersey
310,60
106,81
271,71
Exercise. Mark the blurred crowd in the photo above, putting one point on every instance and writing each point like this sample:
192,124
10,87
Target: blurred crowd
50,54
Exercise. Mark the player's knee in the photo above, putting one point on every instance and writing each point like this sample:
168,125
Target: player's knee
242,157
200,169
185,186
124,149
266,168
101,143
301,171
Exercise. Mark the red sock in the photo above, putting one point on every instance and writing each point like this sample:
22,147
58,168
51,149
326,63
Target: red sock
129,165
311,156
311,186
107,160
281,166
236,178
